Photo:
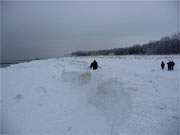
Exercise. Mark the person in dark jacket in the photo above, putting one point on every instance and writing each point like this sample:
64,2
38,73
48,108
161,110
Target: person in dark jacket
94,65
171,65
162,65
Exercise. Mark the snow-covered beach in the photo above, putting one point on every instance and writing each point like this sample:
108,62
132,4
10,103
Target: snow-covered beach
128,95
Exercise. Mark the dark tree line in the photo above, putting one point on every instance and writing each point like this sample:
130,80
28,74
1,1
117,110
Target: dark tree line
166,45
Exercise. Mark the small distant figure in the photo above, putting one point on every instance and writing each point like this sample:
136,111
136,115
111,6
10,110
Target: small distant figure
162,65
94,65
171,65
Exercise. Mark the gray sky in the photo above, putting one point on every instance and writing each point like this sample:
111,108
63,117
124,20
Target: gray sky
42,29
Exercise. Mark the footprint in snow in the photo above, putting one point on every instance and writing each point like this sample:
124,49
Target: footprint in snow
150,81
42,91
18,98
69,128
132,89
162,107
175,117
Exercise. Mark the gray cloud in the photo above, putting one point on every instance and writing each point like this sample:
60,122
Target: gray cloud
52,28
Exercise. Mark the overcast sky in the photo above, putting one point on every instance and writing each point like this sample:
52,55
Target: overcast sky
41,29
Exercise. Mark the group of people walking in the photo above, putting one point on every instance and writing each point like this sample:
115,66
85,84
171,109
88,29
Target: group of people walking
170,65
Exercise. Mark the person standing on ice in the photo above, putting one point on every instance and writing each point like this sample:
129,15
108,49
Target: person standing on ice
171,65
94,65
162,65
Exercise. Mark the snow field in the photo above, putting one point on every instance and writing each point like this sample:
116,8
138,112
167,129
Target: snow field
128,95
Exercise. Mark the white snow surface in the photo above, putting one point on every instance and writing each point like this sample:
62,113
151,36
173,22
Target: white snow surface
127,95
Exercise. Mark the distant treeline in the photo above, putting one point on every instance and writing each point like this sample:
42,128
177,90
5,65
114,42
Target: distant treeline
166,45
